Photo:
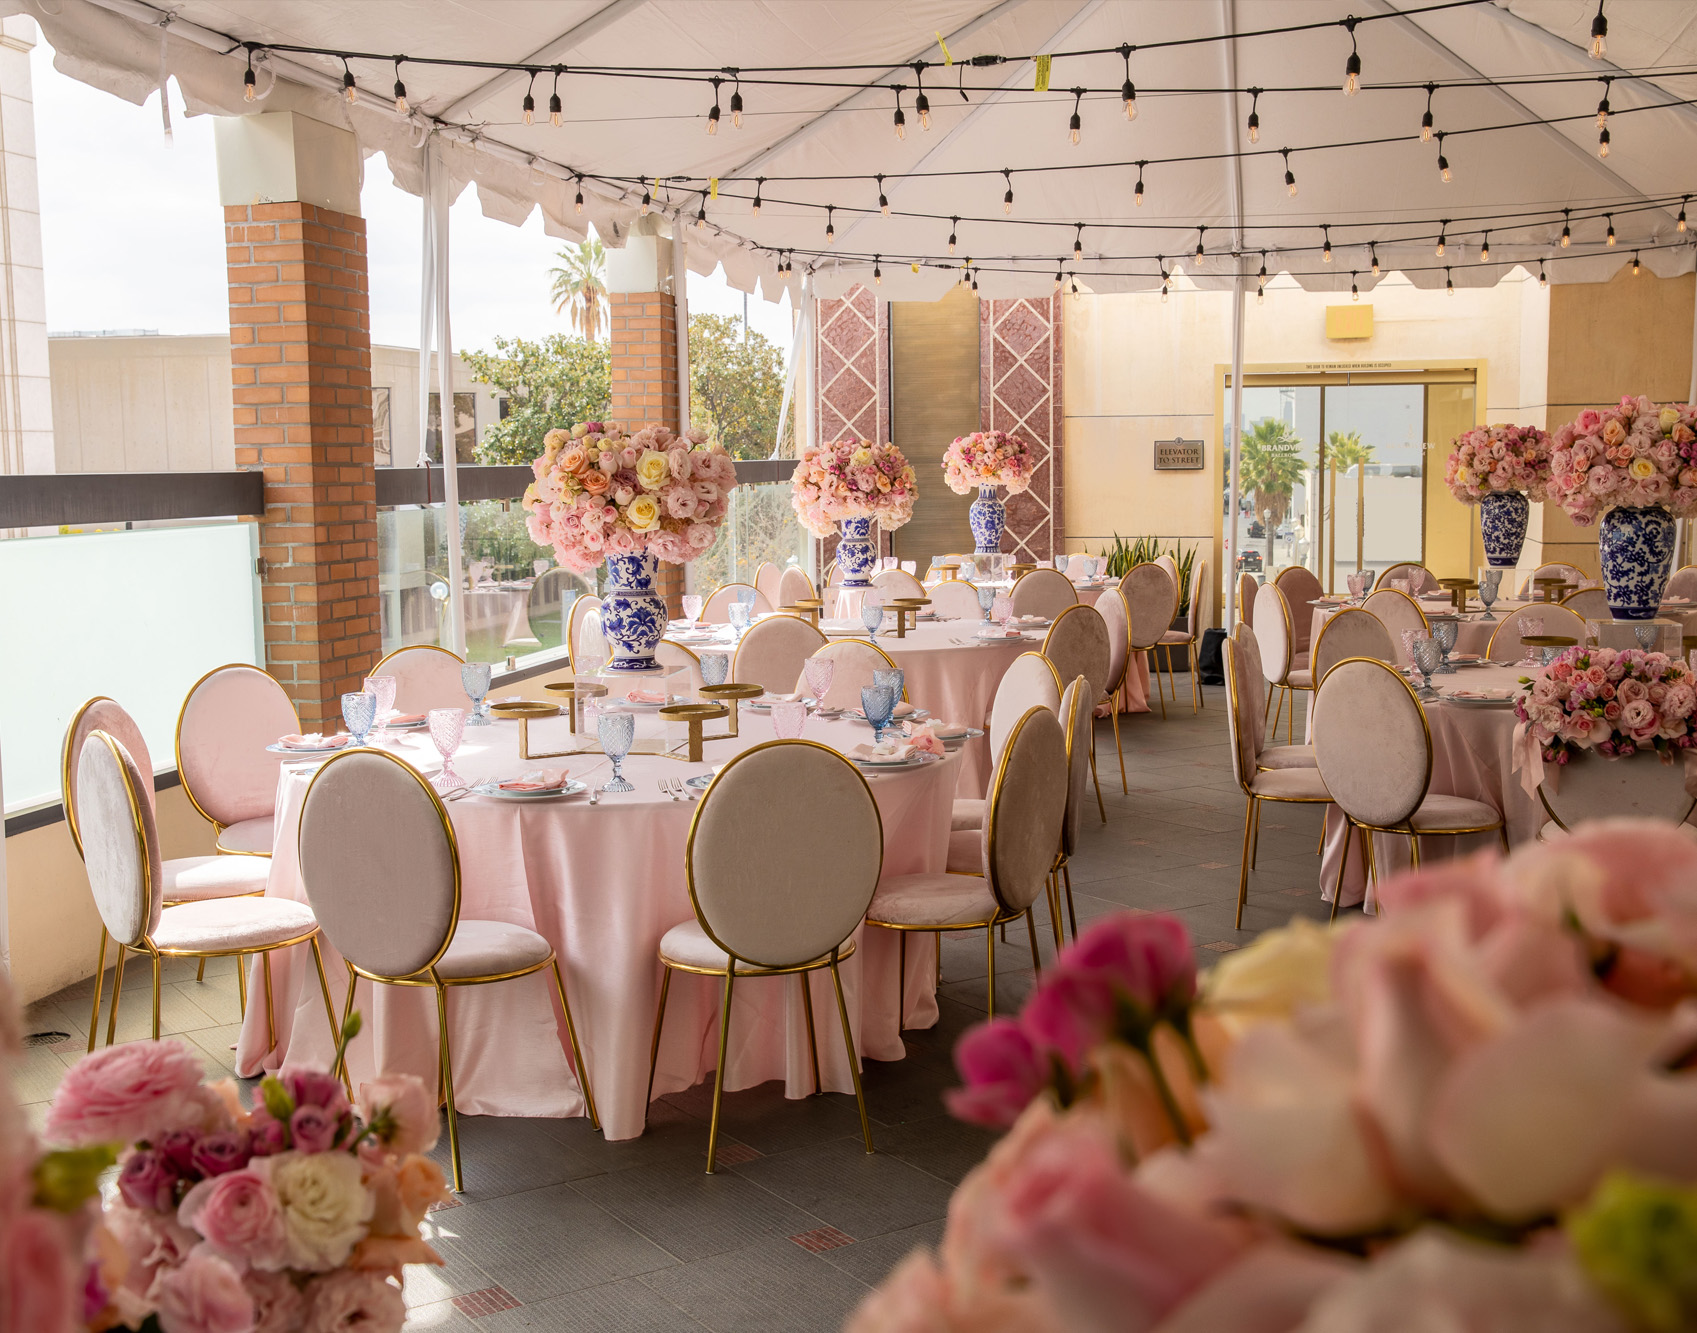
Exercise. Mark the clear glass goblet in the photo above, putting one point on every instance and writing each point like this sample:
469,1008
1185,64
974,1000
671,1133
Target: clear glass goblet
1001,609
871,616
1490,583
1408,638
617,732
820,671
359,711
1444,630
1428,656
383,689
894,677
474,676
691,604
1530,628
986,599
878,701
1646,635
789,717
447,728
715,667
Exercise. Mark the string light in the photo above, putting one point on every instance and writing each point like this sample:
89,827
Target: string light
954,223
1543,277
1599,34
1449,283
1352,66
1443,235
1201,254
901,118
1635,263
1059,276
1007,199
701,213
1443,162
249,80
1290,176
1602,143
1679,225
883,199
1485,249
1603,106
1128,90
1074,278
759,184
1261,281
349,90
1326,248
736,102
921,103
1610,238
400,89
1566,229
1373,252
1354,291
831,225
554,100
1426,120
1078,242
648,198
712,116
529,105
1075,126
1254,115
877,272
577,204
1162,261
1137,194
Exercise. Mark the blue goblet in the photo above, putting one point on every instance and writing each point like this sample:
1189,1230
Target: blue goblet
359,712
879,701
474,677
894,677
617,732
986,599
872,617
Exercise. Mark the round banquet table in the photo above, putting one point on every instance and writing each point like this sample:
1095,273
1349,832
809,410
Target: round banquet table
1473,635
603,883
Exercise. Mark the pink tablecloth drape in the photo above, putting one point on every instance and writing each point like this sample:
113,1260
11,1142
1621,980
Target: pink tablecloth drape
603,884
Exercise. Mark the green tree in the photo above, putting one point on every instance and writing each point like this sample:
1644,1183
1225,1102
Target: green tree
1270,465
580,287
556,382
1345,450
736,386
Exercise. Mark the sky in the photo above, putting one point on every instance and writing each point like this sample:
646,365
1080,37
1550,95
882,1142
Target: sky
133,236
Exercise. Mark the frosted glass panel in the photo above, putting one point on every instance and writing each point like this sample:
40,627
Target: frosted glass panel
139,616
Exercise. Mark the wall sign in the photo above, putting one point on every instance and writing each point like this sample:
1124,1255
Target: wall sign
1178,455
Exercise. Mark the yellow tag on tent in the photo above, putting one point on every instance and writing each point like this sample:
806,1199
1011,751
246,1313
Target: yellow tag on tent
947,58
1042,84
915,266
712,187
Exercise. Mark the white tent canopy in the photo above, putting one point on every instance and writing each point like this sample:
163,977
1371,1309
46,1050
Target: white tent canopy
1513,169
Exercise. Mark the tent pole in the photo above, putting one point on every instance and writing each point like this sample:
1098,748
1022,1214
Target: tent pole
680,314
434,327
1234,445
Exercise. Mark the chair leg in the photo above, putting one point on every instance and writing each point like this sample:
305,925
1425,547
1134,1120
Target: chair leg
1243,866
1100,808
200,972
938,936
1502,835
1414,849
1196,700
1031,936
1255,838
1290,718
156,962
1278,692
990,956
1343,865
117,992
270,1008
341,1068
1118,748
1052,887
1155,674
447,1065
807,1008
901,980
241,983
1072,914
853,1056
577,1050
99,984
719,1073
654,1047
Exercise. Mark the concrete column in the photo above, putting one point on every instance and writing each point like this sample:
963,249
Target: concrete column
300,350
26,401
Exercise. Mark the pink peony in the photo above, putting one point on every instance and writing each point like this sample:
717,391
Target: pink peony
1002,1073
401,1113
40,1274
1070,1013
351,1301
204,1295
120,1094
278,1306
314,1087
149,1180
312,1129
240,1218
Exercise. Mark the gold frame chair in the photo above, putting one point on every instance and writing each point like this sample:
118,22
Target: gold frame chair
1131,629
730,973
177,749
1191,642
1101,808
427,976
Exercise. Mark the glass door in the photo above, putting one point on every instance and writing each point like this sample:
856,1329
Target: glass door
1375,462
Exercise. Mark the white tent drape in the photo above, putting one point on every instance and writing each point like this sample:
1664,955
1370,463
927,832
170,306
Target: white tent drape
434,334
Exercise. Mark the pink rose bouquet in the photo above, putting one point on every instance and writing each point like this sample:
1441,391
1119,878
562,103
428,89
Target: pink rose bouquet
1614,701
1471,1113
852,479
600,492
1491,459
298,1214
987,458
1635,454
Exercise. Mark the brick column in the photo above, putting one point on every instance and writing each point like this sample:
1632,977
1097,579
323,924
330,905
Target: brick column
644,376
300,352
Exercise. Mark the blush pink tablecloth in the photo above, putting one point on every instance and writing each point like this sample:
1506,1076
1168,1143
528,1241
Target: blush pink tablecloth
603,884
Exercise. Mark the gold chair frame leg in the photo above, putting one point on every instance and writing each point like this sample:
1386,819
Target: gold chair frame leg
807,1009
1100,808
719,1073
1196,701
1343,865
117,993
1072,913
1155,675
1255,839
156,962
99,985
447,1067
1114,704
341,1067
853,1057
1031,936
200,972
990,955
1243,865
901,979
654,1047
241,983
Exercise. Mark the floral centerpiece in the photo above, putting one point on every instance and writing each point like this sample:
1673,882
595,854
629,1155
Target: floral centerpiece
1614,701
298,1214
1472,1113
629,500
1501,469
846,485
1634,466
985,460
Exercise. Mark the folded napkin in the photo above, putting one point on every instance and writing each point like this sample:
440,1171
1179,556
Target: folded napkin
543,779
406,719
888,751
902,710
949,730
769,697
313,741
1030,620
997,633
641,696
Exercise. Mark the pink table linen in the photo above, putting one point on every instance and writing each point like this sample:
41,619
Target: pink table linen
603,884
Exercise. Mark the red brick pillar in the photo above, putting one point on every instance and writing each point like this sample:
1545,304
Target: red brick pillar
644,375
300,352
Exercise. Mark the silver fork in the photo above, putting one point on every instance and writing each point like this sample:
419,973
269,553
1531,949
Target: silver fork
594,795
665,785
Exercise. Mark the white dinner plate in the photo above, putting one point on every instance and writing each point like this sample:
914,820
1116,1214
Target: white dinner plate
420,725
699,782
917,715
634,706
1477,703
492,790
302,753
912,761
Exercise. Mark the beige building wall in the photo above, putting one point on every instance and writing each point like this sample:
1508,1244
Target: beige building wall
26,408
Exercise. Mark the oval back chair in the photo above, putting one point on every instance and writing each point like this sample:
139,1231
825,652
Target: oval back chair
767,576
716,609
577,624
771,653
1554,570
1422,579
1594,787
1043,592
1352,632
1111,607
426,677
1247,586
1508,639
1151,601
228,718
898,583
1079,643
955,599
1300,587
108,715
1683,584
794,586
1589,604
1031,681
1397,611
852,663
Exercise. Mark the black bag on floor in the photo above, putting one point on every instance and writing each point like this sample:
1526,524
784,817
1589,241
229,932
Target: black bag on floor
1212,657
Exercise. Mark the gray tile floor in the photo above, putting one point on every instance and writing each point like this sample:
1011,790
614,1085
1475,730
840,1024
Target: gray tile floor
560,1230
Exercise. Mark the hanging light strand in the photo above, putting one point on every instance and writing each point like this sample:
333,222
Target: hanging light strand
1137,194
350,89
1352,66
921,103
1599,34
1128,90
1326,244
1078,243
712,116
1290,176
1075,126
400,88
1254,115
1443,162
1426,121
736,100
554,98
1007,199
250,81
901,117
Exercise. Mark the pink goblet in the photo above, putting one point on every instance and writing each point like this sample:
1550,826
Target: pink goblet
819,672
384,688
691,604
1001,609
789,716
447,729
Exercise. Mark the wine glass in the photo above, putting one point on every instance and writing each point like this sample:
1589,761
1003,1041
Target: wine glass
1530,628
691,604
1428,656
474,677
819,672
617,731
1001,609
715,667
1490,583
739,614
878,701
789,716
1444,630
383,689
986,599
1408,638
1646,635
871,616
894,677
359,711
590,664
447,728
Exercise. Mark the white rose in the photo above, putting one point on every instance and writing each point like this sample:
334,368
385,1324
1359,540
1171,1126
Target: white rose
326,1208
643,515
653,470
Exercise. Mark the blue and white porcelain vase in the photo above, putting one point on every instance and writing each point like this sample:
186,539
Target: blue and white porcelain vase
1636,549
633,614
988,517
857,555
1502,525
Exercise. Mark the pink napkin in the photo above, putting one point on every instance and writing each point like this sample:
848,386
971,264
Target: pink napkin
550,779
902,710
313,741
1000,634
647,696
406,719
886,751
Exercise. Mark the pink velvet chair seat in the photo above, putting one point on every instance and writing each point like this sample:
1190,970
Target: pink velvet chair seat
687,945
935,900
226,925
1278,757
1438,812
1177,636
193,879
489,948
968,814
1300,678
253,836
1290,784
966,852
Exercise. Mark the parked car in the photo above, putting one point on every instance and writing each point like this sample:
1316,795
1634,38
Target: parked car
1249,561
1257,530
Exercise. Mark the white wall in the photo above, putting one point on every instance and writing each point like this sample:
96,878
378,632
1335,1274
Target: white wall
26,411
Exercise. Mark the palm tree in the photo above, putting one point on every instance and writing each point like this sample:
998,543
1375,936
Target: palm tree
1345,450
580,287
1270,464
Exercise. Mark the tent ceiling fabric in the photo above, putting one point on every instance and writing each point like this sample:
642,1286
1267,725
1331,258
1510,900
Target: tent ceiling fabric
619,129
